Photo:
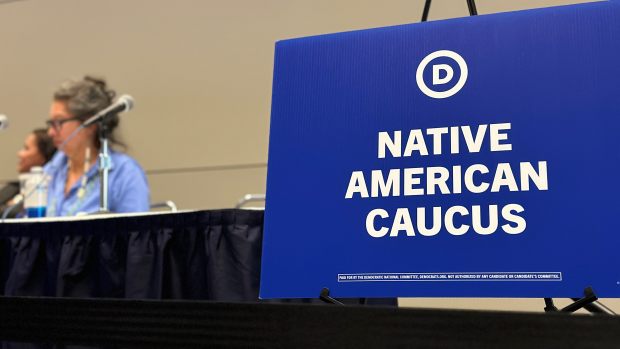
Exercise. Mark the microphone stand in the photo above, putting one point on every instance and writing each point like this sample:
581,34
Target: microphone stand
104,167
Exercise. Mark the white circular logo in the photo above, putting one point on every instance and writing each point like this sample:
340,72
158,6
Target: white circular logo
437,69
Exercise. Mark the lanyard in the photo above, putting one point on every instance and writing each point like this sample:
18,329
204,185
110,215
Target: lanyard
87,187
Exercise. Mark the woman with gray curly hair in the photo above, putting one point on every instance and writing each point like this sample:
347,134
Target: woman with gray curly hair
74,186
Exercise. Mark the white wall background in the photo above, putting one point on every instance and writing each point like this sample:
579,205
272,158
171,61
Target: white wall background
200,71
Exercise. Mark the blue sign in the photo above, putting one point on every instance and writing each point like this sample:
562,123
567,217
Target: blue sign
475,157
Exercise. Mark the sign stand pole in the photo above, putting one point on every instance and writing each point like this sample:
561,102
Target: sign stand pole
325,297
586,302
471,5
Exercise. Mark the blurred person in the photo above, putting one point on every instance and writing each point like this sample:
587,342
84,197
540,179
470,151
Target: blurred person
74,185
38,149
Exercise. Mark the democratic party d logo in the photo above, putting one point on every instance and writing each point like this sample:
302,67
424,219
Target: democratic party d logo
442,74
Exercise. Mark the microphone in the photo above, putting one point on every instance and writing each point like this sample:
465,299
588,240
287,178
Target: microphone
122,104
4,122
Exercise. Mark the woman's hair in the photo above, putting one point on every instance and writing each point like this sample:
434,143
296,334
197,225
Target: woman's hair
86,97
45,144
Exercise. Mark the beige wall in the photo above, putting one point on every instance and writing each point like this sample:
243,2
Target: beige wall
200,71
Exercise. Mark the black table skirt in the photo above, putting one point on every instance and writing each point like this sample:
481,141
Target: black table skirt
206,255
211,255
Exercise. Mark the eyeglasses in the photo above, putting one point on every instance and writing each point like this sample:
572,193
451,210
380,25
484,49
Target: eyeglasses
57,123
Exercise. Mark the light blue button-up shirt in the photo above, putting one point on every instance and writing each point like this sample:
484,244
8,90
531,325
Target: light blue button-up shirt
128,187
